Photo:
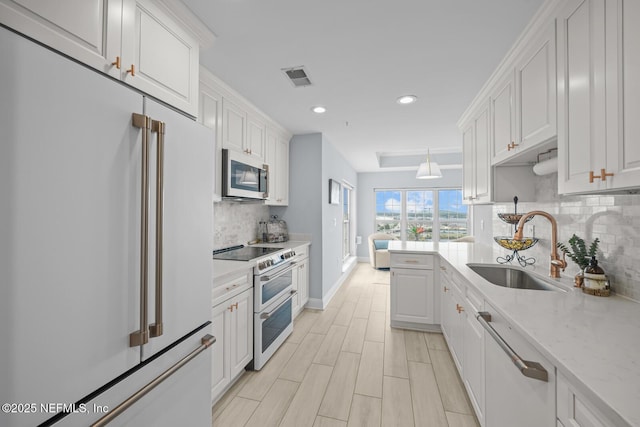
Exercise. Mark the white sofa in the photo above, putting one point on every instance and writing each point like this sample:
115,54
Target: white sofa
379,258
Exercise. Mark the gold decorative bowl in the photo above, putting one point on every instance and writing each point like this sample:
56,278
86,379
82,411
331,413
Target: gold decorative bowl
515,245
511,218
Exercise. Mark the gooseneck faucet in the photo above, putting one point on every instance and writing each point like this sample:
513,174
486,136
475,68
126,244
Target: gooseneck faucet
556,262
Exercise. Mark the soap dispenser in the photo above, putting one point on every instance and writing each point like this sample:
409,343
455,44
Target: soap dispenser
595,281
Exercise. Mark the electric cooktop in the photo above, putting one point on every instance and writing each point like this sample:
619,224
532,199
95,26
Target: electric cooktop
242,253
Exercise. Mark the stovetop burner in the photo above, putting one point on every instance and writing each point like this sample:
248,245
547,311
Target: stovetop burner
242,253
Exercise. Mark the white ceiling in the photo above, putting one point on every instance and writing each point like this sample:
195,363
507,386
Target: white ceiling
361,55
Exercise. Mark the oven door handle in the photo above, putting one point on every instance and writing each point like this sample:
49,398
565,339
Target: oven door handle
279,273
268,315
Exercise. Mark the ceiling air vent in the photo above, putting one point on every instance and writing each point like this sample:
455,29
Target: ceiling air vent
298,76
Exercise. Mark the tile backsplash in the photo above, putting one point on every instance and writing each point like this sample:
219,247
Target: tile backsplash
614,219
237,223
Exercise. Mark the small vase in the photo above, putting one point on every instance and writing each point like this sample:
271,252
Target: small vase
579,279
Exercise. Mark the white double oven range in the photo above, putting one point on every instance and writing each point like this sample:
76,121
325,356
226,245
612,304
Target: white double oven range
273,292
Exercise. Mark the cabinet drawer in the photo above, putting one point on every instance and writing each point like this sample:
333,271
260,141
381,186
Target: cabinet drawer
412,261
474,299
228,288
302,251
575,410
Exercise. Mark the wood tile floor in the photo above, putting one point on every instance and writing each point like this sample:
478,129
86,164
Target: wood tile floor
345,366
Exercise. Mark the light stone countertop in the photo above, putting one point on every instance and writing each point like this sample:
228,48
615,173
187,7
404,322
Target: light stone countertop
593,341
228,268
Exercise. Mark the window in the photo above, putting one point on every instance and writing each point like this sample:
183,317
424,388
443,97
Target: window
388,207
423,215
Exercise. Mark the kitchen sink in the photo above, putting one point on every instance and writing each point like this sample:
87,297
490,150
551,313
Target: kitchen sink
510,277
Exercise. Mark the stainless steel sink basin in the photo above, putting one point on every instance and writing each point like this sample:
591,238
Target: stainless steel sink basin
510,277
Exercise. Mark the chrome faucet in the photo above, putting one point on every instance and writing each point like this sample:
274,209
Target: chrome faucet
556,262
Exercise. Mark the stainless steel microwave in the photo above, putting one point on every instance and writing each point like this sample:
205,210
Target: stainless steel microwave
243,177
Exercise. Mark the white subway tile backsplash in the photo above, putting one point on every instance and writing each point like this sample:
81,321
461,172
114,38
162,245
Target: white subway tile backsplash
614,219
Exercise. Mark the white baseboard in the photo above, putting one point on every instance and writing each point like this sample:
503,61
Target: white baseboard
363,259
321,304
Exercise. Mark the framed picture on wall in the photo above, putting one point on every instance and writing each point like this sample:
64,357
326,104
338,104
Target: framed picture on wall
334,192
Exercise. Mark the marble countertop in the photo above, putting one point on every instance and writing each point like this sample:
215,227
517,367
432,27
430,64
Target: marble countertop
226,268
593,341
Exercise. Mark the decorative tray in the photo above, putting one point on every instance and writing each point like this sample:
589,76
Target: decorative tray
515,245
512,218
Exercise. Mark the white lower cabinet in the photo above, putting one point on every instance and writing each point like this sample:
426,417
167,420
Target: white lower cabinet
232,325
473,353
413,296
452,321
575,410
301,280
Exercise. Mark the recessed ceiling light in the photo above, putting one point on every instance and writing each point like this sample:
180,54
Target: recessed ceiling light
318,109
407,99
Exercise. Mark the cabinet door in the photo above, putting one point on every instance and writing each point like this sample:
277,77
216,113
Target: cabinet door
255,143
623,94
412,295
503,119
468,168
87,30
581,95
234,121
282,177
536,97
221,329
295,301
451,324
303,282
473,359
210,115
576,411
482,159
241,338
164,56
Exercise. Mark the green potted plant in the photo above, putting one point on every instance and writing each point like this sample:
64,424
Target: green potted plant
579,254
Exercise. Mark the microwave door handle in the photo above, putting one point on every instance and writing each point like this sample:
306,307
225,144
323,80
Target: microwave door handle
264,316
266,178
156,329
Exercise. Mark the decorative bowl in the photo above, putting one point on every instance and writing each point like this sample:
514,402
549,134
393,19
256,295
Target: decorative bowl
511,218
515,245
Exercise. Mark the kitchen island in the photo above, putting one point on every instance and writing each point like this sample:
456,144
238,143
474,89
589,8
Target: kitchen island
591,341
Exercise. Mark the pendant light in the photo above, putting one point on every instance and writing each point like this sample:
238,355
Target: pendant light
428,169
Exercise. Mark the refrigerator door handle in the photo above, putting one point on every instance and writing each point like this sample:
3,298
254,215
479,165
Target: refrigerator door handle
141,336
206,342
158,127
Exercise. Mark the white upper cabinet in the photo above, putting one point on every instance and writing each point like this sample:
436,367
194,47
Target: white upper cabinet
277,157
131,40
234,126
255,142
210,115
158,56
87,30
623,83
503,118
581,94
476,166
242,130
536,97
598,96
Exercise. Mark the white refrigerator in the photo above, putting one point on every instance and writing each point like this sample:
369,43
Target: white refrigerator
75,202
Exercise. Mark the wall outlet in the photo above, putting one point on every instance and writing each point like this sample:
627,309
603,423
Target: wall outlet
358,240
482,225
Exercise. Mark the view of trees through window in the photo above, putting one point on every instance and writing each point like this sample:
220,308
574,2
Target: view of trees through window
424,215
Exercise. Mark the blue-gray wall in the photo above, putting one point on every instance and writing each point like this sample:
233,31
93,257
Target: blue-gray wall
368,182
313,161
